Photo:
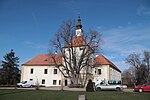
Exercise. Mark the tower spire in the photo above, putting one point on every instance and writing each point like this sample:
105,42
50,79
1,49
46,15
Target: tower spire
79,27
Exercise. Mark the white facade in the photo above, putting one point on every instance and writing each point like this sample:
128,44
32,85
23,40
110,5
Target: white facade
105,72
53,77
114,74
38,74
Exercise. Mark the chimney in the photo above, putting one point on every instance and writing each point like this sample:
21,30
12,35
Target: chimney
96,55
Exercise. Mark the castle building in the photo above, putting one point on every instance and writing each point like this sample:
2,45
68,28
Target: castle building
42,68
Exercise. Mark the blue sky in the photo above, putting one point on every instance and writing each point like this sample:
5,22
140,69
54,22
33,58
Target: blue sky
27,26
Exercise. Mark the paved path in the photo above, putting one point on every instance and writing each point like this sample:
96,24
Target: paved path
58,88
128,90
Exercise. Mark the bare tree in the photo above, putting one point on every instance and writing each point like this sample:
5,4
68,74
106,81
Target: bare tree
135,62
76,51
147,65
140,66
128,76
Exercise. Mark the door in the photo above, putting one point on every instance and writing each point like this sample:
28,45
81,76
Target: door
66,83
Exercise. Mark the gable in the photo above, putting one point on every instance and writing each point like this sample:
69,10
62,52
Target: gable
101,60
76,42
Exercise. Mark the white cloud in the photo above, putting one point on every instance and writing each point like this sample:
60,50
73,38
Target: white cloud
120,42
129,38
142,10
35,45
35,19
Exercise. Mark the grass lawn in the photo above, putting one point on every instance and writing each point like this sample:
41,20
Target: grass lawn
68,95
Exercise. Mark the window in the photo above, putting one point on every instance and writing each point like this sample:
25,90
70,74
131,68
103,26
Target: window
55,71
43,81
99,71
23,82
59,82
119,82
31,71
54,82
102,82
148,84
81,48
110,82
114,82
45,71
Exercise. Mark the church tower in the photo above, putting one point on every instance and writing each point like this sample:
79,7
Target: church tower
79,27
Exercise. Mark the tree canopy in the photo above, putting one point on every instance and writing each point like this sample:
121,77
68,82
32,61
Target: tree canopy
139,70
10,73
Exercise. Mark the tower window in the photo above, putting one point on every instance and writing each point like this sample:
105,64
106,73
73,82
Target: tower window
81,48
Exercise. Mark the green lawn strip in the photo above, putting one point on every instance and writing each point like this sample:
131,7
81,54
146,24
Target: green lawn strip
69,95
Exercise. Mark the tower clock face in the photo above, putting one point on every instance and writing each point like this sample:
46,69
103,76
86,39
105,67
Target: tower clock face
78,32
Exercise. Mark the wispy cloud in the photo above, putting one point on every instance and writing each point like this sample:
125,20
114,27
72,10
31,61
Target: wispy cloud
35,45
71,4
128,38
143,10
120,42
35,17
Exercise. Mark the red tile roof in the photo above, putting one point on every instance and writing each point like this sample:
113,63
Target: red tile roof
101,60
44,60
77,41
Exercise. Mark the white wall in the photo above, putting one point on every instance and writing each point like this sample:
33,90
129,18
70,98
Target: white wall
114,74
103,75
107,73
38,74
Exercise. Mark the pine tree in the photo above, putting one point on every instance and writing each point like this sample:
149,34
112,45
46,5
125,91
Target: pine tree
10,72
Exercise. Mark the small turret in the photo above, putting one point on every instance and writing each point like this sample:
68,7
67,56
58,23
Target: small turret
79,27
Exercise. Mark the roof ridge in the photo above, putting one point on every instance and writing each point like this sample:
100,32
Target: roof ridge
109,62
43,59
